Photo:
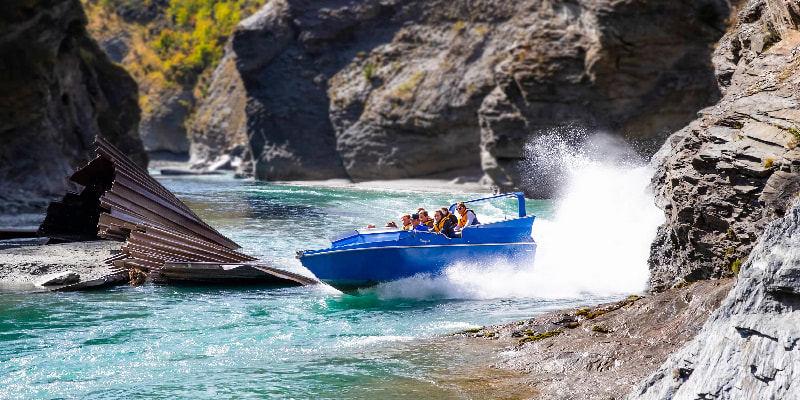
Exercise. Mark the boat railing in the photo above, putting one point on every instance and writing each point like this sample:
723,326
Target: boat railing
520,201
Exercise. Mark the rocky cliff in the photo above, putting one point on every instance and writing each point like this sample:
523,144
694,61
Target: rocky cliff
121,29
219,132
394,89
725,175
170,47
750,347
57,91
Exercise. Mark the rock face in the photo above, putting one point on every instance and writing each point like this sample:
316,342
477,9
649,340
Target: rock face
57,91
638,69
600,352
725,175
118,28
395,89
750,347
163,127
220,129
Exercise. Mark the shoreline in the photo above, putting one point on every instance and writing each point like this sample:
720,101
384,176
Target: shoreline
600,351
21,267
465,181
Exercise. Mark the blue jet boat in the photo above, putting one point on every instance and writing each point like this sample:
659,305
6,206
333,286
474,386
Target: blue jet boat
366,257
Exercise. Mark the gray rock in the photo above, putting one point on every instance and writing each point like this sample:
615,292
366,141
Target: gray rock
735,168
58,90
288,129
623,67
750,347
599,352
163,126
59,278
397,89
220,130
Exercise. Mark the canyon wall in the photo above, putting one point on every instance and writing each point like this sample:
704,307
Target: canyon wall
728,184
57,91
399,89
725,175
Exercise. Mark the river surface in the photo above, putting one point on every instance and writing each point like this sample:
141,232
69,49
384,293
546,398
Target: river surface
158,341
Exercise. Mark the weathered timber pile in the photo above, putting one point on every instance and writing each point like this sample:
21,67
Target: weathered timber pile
122,202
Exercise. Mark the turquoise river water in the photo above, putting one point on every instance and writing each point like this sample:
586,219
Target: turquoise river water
158,341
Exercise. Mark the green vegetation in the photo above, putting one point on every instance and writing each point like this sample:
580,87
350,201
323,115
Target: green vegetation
625,303
684,284
768,163
171,43
770,39
795,132
532,338
405,91
601,329
466,331
736,266
599,313
369,71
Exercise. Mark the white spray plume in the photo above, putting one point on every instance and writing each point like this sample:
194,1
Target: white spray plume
597,243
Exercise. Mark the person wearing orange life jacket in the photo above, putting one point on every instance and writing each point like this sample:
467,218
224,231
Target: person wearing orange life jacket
442,224
425,219
468,217
451,217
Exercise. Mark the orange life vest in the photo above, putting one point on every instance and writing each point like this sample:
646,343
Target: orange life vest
463,220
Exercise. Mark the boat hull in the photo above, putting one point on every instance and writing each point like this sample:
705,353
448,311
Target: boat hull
361,258
348,269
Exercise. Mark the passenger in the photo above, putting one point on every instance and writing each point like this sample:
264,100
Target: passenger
391,224
417,225
443,225
370,226
468,217
407,222
425,219
446,214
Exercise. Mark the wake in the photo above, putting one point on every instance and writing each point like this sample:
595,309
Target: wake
597,243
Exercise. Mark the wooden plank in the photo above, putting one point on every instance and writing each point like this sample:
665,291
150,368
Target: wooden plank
221,273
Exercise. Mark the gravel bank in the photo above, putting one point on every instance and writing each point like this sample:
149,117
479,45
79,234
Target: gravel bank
22,267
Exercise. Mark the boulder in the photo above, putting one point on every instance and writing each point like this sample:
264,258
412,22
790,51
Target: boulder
219,131
163,120
59,278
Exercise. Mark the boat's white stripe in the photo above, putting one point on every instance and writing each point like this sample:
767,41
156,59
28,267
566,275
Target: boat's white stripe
327,251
